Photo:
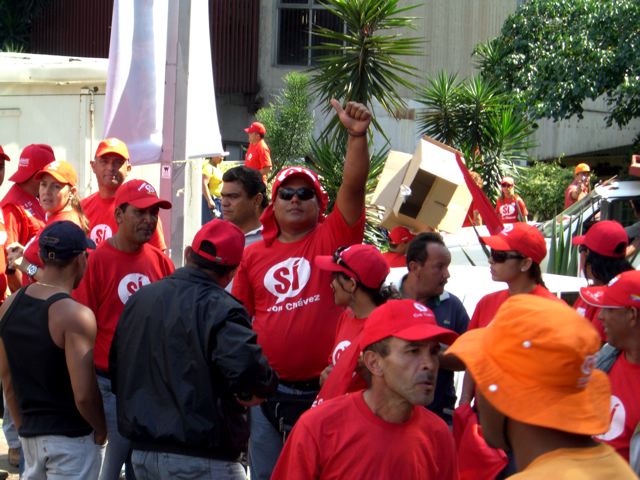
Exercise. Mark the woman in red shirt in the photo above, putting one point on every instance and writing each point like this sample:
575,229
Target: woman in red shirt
510,206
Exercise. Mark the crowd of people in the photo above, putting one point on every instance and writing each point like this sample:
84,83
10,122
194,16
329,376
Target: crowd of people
281,346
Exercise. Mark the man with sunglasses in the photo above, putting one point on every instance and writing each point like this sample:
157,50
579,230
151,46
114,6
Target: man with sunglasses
291,300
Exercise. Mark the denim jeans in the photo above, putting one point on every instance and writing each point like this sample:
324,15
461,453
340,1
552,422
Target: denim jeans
171,466
56,457
118,447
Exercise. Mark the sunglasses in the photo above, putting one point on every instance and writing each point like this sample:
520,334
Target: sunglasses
501,256
507,185
303,193
338,260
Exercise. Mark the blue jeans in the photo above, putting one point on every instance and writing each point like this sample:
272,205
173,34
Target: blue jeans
118,447
265,442
59,457
171,466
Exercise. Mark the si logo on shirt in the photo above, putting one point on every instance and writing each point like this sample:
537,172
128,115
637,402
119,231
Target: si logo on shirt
100,233
287,278
130,284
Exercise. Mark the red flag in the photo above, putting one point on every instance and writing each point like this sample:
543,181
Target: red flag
480,200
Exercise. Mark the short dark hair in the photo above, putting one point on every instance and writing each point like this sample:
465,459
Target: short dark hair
58,262
251,181
605,268
381,347
417,250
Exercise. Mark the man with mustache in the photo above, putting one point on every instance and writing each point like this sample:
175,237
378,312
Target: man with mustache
118,268
383,431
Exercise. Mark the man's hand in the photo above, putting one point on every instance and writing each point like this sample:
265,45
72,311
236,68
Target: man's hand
355,117
14,255
100,438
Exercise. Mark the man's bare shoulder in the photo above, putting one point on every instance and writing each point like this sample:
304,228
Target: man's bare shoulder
69,315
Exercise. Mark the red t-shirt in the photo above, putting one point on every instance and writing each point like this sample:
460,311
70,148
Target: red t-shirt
100,213
349,327
258,157
395,259
590,313
508,211
292,300
343,438
488,305
625,406
568,201
112,276
23,215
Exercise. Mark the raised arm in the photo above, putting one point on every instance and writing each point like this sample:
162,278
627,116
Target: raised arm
350,200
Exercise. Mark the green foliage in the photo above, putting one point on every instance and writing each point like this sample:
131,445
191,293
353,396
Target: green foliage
554,54
563,255
288,121
478,119
16,17
361,63
542,187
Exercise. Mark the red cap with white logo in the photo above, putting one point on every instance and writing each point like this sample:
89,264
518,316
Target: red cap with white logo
622,291
519,237
140,194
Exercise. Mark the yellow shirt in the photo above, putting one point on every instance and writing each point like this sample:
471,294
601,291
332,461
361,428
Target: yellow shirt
594,463
215,178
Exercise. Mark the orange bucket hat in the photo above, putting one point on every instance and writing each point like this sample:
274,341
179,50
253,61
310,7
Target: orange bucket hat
535,364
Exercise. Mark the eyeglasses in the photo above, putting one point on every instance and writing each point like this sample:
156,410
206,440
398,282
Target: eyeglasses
506,185
338,260
501,256
303,193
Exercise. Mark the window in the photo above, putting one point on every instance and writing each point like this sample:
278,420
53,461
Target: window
296,19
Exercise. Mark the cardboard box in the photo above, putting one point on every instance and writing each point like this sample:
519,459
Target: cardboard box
439,198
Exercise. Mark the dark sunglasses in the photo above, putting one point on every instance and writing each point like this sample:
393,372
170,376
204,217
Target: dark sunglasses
501,256
506,185
303,193
338,260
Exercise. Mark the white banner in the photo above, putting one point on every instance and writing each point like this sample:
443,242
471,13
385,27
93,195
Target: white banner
134,103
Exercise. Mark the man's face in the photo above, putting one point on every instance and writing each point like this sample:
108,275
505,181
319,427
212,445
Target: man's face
111,170
254,137
410,370
492,423
136,225
583,177
432,275
617,324
237,206
295,214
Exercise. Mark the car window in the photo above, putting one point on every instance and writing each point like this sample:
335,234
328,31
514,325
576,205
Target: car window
621,209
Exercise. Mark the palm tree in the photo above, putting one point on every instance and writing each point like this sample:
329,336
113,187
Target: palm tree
16,17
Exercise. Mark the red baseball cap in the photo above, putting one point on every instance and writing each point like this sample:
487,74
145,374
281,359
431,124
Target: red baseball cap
363,263
112,145
62,171
399,235
622,291
227,239
256,127
3,155
605,237
140,194
405,319
33,158
519,237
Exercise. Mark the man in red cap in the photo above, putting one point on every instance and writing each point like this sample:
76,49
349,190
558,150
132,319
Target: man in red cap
118,268
258,154
383,431
290,299
619,304
111,167
22,213
538,394
579,187
399,238
185,364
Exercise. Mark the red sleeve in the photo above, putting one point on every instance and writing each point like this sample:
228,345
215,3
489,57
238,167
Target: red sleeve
242,287
300,457
32,252
265,158
12,223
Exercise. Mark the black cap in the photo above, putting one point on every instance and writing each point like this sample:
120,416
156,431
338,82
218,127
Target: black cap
63,240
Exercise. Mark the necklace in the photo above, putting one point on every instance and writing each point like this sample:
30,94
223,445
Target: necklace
48,285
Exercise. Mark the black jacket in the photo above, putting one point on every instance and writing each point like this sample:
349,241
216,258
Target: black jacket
182,351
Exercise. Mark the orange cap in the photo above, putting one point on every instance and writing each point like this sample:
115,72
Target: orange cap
581,168
535,364
62,171
112,145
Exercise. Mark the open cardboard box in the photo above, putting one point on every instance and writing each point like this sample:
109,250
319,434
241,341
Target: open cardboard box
439,197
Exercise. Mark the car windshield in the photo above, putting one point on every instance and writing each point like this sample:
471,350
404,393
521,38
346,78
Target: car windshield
587,204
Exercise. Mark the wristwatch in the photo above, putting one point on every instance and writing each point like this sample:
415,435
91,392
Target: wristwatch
32,270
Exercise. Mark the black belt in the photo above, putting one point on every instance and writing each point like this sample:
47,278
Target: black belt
312,384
